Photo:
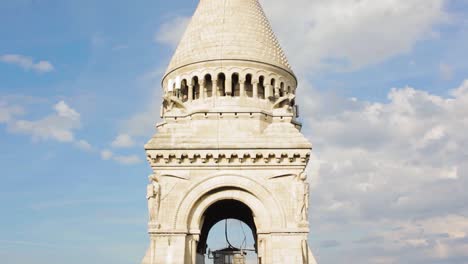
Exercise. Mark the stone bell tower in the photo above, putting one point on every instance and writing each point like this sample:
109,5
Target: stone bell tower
229,145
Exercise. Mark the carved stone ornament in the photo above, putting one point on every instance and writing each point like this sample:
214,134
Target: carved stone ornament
153,195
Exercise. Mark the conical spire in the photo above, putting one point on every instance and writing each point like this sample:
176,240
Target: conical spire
229,30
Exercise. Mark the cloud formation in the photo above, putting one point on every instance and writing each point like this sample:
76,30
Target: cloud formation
59,126
84,145
106,154
123,141
171,32
27,63
393,172
122,159
349,34
143,124
340,35
8,112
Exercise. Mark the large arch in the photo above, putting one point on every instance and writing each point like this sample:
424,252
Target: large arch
267,212
222,210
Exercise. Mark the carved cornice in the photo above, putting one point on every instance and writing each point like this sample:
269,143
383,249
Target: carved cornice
202,158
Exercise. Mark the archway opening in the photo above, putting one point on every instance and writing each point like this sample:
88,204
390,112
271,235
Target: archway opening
261,88
184,91
228,224
248,85
221,85
208,85
196,88
235,85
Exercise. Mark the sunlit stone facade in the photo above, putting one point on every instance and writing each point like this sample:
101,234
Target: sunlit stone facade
229,145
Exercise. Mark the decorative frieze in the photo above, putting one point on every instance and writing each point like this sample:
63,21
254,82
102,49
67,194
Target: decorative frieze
228,157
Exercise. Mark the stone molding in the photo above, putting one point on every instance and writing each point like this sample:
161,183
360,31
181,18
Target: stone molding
177,232
229,67
248,190
201,158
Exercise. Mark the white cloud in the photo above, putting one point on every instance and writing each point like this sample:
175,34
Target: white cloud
65,111
436,238
84,145
342,34
106,154
171,32
122,159
434,134
123,141
8,112
143,123
379,168
27,63
395,169
349,34
59,126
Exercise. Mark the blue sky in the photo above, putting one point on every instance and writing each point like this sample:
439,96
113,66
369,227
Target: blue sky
383,98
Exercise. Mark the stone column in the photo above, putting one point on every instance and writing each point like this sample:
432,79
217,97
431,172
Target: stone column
202,89
190,92
228,87
268,91
167,249
242,88
292,249
261,249
193,250
214,88
255,89
277,92
219,87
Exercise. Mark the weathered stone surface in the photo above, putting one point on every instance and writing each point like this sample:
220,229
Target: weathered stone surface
229,145
229,29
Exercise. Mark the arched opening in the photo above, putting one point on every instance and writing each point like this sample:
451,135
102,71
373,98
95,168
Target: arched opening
281,91
184,91
248,85
235,85
261,88
174,89
228,224
196,88
273,83
221,84
273,89
208,85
